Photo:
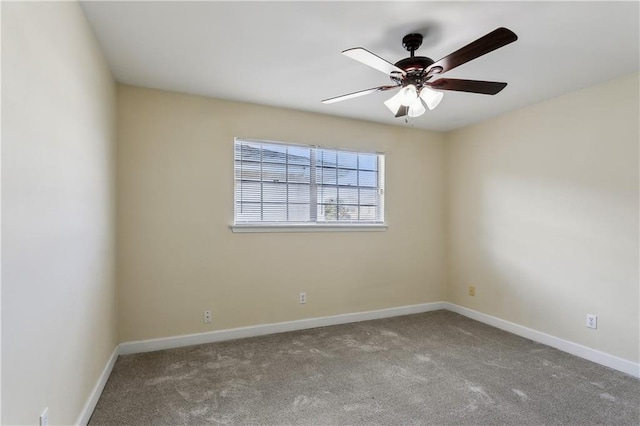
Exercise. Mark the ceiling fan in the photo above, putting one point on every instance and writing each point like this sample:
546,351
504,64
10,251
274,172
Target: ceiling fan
415,74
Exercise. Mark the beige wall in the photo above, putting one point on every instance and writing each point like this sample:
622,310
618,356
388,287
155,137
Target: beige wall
543,216
58,286
178,257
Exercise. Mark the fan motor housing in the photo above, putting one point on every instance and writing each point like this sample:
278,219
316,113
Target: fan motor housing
415,63
414,67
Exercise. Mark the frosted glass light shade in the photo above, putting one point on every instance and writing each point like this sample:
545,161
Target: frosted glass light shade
408,94
393,103
431,97
416,109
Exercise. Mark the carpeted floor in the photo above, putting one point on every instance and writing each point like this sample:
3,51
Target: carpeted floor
433,368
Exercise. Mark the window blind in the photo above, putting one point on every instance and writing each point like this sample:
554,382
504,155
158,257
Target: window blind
285,183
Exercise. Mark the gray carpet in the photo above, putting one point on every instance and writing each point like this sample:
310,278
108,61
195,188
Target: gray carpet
434,368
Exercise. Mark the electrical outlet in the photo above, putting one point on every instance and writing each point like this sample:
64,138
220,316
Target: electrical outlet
592,321
44,417
207,316
303,298
472,290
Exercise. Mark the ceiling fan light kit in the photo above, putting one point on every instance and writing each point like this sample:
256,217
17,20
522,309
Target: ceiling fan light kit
413,75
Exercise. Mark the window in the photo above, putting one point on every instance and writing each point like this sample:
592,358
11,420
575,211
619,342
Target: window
284,184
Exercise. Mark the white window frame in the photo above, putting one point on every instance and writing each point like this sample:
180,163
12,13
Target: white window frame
318,226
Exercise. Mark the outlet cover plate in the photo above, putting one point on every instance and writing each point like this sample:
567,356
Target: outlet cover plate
44,417
592,321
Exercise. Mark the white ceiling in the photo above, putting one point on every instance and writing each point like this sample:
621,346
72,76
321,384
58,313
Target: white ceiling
287,54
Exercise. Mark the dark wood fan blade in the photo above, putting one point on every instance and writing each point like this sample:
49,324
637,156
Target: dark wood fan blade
357,94
472,86
402,111
372,60
488,43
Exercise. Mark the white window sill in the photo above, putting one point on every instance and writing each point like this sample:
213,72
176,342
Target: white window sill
347,227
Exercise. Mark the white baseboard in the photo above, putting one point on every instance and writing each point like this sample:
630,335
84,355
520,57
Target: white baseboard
125,348
90,405
581,351
576,349
260,330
